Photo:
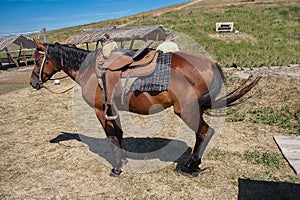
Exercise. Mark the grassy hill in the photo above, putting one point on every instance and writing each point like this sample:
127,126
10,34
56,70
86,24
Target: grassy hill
268,31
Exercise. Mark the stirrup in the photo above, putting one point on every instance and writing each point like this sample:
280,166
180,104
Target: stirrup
113,117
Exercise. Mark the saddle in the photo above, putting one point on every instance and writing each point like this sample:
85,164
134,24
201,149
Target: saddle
122,62
110,72
142,67
118,61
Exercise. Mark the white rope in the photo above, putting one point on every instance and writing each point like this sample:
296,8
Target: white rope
42,66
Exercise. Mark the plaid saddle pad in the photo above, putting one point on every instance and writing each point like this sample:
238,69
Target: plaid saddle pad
159,79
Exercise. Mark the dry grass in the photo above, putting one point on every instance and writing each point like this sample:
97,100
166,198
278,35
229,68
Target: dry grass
33,168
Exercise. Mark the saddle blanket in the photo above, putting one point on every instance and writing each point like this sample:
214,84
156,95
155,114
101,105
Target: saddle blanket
159,79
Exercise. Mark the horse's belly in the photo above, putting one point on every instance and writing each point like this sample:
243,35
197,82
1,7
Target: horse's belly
146,102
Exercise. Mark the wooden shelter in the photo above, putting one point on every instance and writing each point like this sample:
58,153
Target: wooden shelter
24,43
121,34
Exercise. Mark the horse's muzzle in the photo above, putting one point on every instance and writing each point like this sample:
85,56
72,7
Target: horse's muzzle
36,85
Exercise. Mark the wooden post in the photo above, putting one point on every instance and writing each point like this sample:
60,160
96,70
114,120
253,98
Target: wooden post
8,56
131,44
87,46
23,53
156,39
122,44
45,36
20,53
97,44
11,58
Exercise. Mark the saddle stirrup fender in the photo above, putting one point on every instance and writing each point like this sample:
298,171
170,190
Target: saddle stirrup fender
110,71
105,99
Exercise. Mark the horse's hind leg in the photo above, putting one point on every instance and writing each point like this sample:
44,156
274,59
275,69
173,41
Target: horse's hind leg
203,135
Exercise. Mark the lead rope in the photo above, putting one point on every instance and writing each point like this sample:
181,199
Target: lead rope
58,92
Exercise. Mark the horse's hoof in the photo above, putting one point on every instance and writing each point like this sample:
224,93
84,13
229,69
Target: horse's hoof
188,172
115,172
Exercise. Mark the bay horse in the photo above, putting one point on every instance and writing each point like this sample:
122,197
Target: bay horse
195,83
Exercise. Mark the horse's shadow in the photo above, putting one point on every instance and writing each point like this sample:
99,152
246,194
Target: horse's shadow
166,150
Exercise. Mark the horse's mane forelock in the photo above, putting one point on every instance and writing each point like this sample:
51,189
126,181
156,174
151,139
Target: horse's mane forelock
68,55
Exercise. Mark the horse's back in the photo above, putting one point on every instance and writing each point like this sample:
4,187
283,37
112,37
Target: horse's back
198,71
199,62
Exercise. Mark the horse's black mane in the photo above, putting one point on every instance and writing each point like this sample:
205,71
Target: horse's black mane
67,55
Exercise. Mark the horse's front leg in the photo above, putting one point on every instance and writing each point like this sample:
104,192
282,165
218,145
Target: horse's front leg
119,134
115,137
117,156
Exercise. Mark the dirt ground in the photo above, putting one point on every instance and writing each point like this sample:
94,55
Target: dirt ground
45,154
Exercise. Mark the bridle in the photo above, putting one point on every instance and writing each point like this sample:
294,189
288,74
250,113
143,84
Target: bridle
42,67
40,74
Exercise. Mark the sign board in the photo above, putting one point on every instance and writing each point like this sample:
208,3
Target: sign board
224,26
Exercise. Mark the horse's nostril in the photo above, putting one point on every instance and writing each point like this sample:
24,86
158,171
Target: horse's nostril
35,85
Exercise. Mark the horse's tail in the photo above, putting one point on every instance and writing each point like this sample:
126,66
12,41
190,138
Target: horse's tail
210,101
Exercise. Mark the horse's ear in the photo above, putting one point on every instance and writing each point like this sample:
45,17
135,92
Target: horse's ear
39,45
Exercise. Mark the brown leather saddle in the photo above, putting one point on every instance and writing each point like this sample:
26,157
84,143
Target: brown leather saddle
110,72
125,63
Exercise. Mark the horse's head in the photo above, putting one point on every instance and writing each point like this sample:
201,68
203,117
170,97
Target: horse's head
43,69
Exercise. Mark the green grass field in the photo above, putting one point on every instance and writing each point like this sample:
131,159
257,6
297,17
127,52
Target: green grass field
268,32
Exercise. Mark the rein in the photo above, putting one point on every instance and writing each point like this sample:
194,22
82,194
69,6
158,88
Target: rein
58,92
41,74
59,78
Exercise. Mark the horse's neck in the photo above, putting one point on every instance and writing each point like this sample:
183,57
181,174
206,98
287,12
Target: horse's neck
72,60
86,70
83,76
72,73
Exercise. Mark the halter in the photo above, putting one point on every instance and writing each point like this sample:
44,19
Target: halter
41,74
42,67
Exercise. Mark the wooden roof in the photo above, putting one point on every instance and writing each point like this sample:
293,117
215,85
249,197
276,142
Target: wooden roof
19,40
154,32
